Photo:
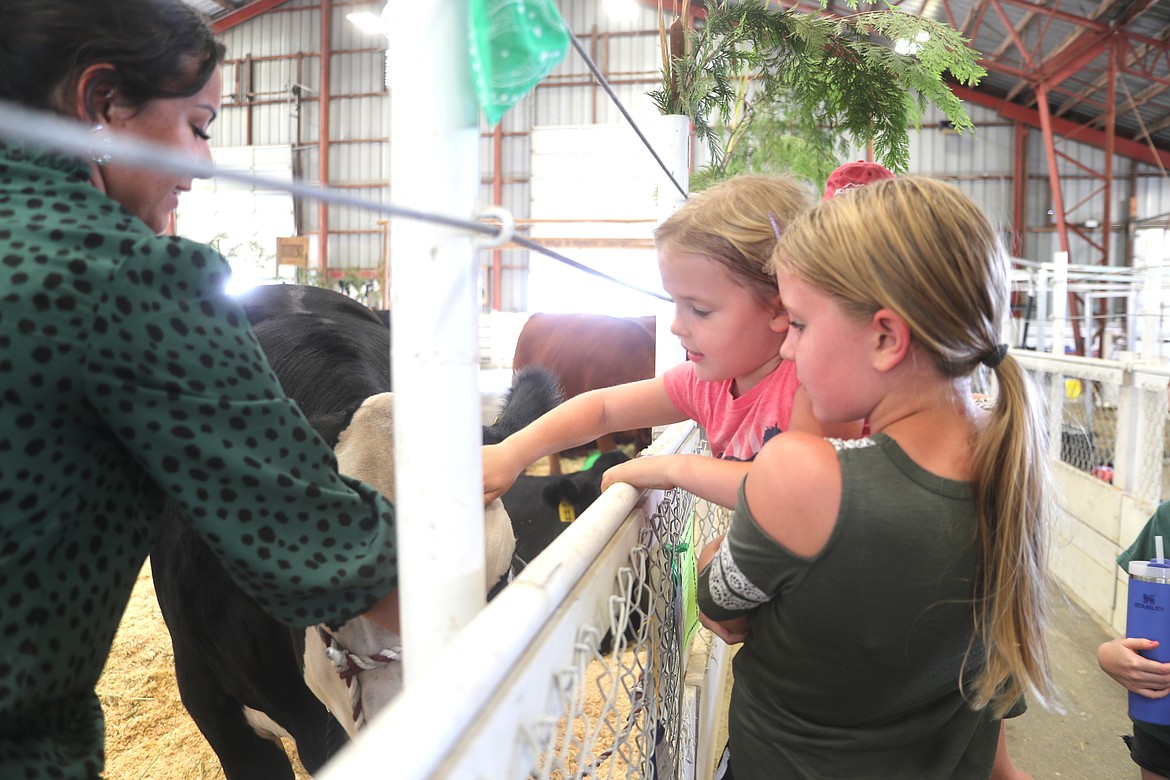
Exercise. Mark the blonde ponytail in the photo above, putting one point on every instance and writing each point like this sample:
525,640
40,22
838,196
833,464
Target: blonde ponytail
1013,501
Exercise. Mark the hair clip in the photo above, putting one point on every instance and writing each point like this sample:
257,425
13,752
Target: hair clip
775,227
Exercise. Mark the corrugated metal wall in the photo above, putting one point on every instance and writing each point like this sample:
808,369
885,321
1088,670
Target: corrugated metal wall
280,49
273,96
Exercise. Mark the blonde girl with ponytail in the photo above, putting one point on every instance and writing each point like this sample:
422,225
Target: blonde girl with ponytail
891,590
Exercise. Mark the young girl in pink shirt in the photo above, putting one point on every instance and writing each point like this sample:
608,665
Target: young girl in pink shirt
713,255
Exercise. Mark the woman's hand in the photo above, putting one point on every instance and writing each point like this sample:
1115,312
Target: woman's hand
1120,659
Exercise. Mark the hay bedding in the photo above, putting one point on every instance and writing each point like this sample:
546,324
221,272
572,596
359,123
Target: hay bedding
149,735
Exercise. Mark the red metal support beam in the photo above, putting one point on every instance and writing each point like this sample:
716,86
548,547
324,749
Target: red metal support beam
1074,308
1020,190
1126,147
1110,150
1107,192
250,11
1053,168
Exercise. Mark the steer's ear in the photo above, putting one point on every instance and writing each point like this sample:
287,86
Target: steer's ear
561,490
331,425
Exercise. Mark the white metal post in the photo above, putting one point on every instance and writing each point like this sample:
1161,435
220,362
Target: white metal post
1059,300
1041,320
434,164
1131,320
1152,302
674,146
1090,301
1056,388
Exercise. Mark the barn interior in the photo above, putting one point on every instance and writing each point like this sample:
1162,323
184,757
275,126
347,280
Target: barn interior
1067,150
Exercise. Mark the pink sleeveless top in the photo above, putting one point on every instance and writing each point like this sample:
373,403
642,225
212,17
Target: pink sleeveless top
736,427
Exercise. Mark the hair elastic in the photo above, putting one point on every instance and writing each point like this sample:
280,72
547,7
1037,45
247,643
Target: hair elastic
996,357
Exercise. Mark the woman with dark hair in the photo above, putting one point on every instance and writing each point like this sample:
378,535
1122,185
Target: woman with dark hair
128,377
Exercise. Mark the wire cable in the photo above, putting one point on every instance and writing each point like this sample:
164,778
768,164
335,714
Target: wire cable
52,131
609,91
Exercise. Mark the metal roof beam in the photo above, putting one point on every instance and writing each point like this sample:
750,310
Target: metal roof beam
1068,41
1087,22
1157,127
1126,147
1100,83
1073,57
973,20
245,13
1020,27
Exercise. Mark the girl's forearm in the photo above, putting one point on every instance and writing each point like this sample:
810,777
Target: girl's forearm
715,480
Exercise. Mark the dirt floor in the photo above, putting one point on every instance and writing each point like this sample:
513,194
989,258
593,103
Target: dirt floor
149,735
1084,741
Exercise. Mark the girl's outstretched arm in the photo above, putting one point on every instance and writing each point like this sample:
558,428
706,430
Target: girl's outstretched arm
708,478
577,421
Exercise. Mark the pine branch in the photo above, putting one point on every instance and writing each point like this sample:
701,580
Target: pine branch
816,81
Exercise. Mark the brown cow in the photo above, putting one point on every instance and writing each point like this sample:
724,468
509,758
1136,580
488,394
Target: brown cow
588,351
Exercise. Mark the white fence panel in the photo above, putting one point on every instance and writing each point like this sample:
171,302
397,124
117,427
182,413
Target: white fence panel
579,667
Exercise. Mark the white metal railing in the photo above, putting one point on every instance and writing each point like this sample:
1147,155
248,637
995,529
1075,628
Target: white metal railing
579,668
1110,446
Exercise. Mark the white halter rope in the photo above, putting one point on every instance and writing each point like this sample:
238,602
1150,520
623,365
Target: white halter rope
349,665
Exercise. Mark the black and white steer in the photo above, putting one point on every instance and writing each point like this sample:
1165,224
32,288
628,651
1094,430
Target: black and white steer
244,677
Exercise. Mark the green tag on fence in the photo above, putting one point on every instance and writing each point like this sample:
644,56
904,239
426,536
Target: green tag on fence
684,580
514,44
688,568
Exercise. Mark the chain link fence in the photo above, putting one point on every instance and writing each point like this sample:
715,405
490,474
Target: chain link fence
1108,419
624,708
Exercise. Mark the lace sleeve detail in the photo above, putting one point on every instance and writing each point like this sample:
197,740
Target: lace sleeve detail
850,444
730,587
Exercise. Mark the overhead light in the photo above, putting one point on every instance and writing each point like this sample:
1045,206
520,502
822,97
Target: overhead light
368,22
621,10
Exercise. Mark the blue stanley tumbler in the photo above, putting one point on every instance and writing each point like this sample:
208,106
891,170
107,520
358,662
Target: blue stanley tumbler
1148,617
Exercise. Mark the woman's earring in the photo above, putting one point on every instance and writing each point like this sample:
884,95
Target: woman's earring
99,148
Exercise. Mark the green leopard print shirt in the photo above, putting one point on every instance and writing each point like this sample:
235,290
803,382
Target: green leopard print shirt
127,376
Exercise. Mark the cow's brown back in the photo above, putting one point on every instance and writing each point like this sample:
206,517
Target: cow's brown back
590,351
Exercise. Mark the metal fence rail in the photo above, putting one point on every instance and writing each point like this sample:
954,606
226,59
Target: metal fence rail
1109,438
580,667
